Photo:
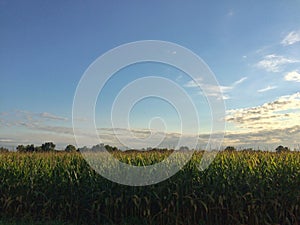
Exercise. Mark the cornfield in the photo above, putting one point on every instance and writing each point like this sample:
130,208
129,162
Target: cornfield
237,188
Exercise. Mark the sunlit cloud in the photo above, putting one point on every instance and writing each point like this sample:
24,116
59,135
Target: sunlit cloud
269,124
292,76
281,113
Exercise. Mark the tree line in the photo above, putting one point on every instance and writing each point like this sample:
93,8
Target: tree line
279,149
50,147
46,147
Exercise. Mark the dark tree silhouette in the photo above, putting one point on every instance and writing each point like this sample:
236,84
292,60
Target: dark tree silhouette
48,146
70,148
230,148
21,148
2,149
280,148
110,148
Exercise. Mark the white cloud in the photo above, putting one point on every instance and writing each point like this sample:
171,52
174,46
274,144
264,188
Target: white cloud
292,38
214,90
240,81
268,88
274,63
284,112
218,92
292,76
226,97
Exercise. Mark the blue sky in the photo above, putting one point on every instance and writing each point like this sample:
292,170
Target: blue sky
253,48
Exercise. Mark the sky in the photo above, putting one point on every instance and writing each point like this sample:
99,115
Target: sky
252,48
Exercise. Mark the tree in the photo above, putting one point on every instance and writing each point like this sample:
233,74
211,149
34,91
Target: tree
183,148
38,149
280,148
21,148
48,146
30,148
83,149
98,147
2,149
110,148
230,149
70,148
27,148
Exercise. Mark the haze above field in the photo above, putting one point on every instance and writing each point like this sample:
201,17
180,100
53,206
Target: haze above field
253,48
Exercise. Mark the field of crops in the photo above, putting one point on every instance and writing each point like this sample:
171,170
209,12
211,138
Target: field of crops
237,188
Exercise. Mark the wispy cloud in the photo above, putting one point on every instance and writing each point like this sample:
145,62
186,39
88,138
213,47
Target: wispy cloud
80,119
292,76
6,140
230,13
274,63
239,81
55,129
292,38
193,84
51,116
29,119
268,88
179,77
213,90
35,128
